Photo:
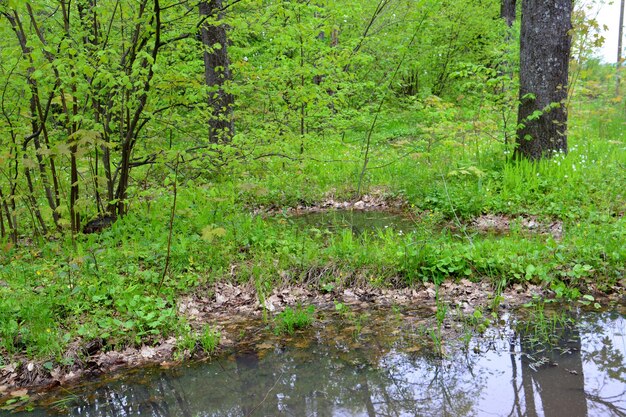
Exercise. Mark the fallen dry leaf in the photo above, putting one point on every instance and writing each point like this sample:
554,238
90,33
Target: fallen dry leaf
303,344
168,365
265,346
147,352
19,393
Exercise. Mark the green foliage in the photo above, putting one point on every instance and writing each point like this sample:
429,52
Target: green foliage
304,106
480,321
290,320
209,339
186,342
544,327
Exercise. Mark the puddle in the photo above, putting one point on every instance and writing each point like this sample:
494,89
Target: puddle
359,221
379,363
363,221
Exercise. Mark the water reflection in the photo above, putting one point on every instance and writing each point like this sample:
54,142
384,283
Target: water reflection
504,375
574,378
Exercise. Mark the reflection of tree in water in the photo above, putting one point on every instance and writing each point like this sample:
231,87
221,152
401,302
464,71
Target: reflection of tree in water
605,354
428,386
553,379
405,384
298,383
121,399
602,337
376,380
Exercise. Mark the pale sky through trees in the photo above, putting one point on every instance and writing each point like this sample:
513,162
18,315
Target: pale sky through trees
609,16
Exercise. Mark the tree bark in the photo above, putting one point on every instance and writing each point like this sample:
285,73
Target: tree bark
544,60
217,72
507,11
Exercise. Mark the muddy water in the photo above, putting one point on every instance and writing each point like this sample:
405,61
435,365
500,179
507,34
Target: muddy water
381,363
359,221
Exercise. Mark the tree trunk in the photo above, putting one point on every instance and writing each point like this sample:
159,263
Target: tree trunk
620,57
544,59
507,11
217,72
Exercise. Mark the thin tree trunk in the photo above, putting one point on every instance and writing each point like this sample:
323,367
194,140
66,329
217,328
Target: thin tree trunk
2,229
508,14
33,202
217,72
38,120
544,61
507,11
130,128
91,27
619,47
7,213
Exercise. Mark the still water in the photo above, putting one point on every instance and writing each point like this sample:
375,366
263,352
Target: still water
358,221
381,363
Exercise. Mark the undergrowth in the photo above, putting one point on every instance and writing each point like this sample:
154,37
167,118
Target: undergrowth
54,292
290,320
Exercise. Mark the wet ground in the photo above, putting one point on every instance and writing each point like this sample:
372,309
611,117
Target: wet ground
359,221
374,220
380,363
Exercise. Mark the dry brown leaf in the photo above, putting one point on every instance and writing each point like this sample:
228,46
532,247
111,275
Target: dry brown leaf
265,346
19,393
147,352
167,364
303,344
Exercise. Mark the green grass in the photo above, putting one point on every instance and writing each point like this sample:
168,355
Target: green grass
209,339
290,320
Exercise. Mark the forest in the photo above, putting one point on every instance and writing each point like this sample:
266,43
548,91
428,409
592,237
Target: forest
154,152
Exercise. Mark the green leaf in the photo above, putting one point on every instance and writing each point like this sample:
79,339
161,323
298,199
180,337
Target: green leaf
209,233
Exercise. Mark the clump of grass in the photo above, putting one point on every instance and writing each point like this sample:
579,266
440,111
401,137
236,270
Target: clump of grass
291,319
209,339
544,328
185,343
190,342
